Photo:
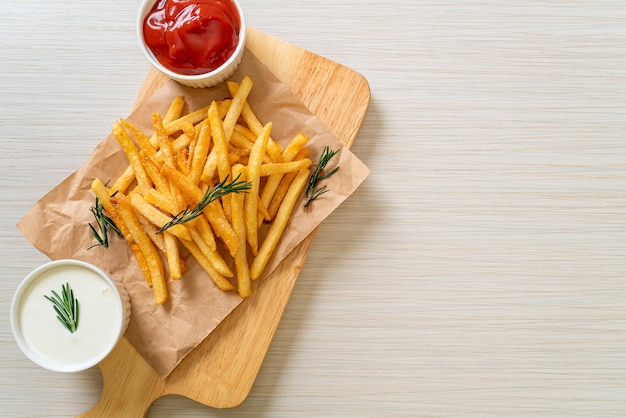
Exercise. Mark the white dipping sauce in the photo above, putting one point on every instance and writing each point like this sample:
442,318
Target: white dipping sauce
53,346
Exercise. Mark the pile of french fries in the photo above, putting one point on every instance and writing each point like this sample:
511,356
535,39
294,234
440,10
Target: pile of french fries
169,173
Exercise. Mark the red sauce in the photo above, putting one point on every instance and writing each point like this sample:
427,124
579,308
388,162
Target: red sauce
192,37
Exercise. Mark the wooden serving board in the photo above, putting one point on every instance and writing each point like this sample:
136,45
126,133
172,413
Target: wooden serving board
214,373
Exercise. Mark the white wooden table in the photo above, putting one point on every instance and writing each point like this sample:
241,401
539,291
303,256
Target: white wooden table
481,268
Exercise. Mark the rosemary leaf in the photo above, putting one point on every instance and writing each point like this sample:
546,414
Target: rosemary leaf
104,222
314,191
212,194
66,307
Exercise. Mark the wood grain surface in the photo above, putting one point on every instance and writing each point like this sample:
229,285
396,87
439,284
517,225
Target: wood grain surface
479,271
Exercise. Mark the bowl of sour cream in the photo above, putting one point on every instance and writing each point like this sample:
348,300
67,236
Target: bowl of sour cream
68,315
198,43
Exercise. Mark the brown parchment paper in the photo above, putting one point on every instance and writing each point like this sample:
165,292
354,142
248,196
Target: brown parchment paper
57,225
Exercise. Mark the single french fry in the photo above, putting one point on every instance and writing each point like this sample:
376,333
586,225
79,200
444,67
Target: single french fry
182,161
164,141
283,168
133,156
245,132
278,226
148,250
241,137
214,257
143,264
239,152
210,167
220,147
201,152
244,286
273,148
237,105
251,198
175,109
178,124
204,228
161,201
223,106
217,278
123,182
173,256
156,216
263,212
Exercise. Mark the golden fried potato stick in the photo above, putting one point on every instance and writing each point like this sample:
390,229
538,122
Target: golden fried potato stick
238,102
245,132
263,212
204,228
160,183
133,156
156,216
220,148
214,257
175,109
213,211
173,256
284,168
244,286
273,148
253,176
241,137
143,264
182,162
177,125
217,278
220,142
165,243
150,253
161,201
200,152
164,140
151,230
278,226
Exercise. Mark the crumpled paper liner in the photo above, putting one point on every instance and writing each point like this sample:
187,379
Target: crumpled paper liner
57,225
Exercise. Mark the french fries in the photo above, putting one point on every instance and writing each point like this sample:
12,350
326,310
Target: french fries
211,184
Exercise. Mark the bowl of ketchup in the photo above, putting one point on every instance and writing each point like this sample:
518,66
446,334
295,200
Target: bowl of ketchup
198,43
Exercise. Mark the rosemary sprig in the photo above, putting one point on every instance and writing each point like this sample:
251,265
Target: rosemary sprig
212,194
313,191
101,234
66,307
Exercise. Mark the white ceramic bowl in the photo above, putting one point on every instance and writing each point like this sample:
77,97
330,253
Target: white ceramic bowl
104,312
209,79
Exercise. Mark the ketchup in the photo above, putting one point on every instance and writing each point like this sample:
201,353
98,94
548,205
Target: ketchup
192,37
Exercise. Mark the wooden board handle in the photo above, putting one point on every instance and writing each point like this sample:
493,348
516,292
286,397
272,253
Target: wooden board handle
123,394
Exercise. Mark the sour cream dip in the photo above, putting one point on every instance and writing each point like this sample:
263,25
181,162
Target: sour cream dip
104,312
